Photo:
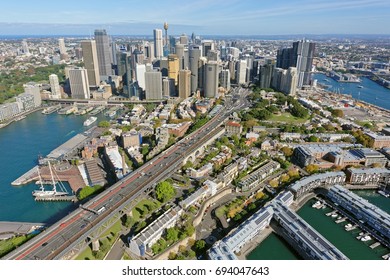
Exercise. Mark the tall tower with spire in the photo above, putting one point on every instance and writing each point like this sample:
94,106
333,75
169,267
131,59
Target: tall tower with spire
166,45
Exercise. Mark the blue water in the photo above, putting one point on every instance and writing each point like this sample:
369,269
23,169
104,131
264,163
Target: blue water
20,144
371,91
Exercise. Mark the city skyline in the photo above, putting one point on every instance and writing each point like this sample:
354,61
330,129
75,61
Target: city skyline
217,17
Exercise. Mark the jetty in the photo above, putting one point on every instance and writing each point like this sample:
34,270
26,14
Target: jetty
70,198
27,177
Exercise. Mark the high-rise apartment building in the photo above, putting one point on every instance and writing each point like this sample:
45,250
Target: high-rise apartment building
79,85
55,87
103,52
184,83
62,48
91,62
158,43
153,85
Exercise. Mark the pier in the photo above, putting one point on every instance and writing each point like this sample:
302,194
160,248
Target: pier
71,198
27,177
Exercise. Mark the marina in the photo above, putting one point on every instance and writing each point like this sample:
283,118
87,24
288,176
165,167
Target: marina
340,231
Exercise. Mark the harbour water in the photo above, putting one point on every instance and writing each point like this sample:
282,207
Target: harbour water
275,248
371,92
20,144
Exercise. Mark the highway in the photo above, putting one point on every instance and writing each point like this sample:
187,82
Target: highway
62,235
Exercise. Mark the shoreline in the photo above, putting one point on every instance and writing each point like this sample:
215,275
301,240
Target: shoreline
23,114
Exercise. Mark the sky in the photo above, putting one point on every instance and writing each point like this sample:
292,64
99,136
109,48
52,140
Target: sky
204,17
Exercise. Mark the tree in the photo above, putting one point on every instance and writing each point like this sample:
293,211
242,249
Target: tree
274,183
287,151
312,168
165,191
313,138
104,124
172,234
200,245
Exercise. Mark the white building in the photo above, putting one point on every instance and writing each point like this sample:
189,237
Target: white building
79,85
55,87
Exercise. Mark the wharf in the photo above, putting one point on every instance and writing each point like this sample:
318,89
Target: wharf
27,177
11,229
68,147
71,198
64,173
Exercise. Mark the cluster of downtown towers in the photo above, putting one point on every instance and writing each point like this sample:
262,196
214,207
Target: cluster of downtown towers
180,67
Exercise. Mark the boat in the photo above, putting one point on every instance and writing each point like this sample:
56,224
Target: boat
385,194
366,238
43,193
90,121
348,226
360,86
317,204
334,215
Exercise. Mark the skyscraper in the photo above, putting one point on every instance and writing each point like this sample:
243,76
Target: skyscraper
265,75
61,46
184,83
153,85
91,61
173,67
211,79
241,72
207,45
224,79
55,87
183,39
194,54
79,85
158,43
179,51
103,52
169,88
300,56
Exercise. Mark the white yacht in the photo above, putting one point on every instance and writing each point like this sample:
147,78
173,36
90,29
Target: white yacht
90,121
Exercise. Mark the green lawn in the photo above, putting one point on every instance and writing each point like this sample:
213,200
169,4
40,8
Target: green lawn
288,118
144,207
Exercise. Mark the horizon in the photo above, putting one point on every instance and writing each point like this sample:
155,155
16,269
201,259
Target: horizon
217,17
